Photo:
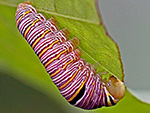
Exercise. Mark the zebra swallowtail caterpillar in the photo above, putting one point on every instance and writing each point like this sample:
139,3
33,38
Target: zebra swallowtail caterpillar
76,80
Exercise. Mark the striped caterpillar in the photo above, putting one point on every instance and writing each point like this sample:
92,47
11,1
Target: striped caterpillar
76,80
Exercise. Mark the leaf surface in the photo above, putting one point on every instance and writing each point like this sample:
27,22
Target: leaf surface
81,19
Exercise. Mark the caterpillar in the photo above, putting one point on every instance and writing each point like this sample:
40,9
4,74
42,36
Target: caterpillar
76,80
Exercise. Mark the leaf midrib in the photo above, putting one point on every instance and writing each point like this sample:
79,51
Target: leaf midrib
54,13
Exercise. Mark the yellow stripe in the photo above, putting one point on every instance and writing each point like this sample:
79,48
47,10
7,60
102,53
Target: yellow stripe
55,73
69,80
24,6
94,91
47,48
37,40
20,11
76,93
54,58
23,16
89,99
67,64
90,96
27,30
62,68
108,100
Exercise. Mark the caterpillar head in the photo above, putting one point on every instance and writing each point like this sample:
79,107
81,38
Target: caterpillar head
115,87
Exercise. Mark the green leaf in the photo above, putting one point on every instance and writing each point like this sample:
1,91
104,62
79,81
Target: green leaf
84,23
18,60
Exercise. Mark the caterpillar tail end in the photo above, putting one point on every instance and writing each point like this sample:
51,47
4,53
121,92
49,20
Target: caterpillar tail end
115,87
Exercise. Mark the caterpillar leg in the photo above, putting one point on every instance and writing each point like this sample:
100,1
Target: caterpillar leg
95,66
75,41
65,32
53,21
101,73
27,2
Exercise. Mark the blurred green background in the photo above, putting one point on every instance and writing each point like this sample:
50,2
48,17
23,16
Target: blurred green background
25,87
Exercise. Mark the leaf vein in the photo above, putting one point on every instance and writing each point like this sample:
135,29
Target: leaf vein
54,13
